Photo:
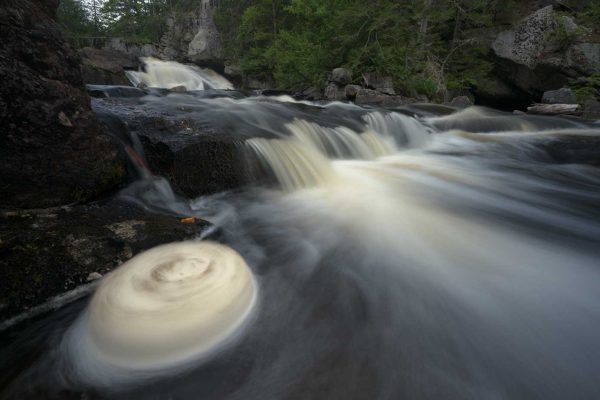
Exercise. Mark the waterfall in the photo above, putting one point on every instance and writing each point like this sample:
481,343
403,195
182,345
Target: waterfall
169,74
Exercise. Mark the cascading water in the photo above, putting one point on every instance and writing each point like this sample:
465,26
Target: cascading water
401,255
169,74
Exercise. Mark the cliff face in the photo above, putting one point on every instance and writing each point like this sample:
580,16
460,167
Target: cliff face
52,149
191,37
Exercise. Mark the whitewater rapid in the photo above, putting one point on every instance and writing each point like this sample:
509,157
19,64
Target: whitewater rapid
401,254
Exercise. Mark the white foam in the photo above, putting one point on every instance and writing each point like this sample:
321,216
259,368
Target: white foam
161,311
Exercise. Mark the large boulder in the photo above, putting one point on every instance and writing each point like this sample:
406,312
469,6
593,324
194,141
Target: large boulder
53,151
560,96
544,52
106,67
44,253
341,76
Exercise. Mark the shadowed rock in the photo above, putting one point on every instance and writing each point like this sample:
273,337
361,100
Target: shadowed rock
46,252
53,151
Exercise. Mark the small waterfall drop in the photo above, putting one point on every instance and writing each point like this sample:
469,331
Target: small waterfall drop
169,74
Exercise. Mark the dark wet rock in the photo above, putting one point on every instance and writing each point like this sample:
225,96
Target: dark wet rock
115,91
201,165
461,102
560,96
351,91
178,89
312,93
381,83
46,252
341,76
53,151
106,67
496,93
257,83
376,98
196,159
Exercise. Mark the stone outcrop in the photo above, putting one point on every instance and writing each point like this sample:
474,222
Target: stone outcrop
544,52
341,76
106,67
193,37
53,151
132,49
377,90
196,159
560,96
44,253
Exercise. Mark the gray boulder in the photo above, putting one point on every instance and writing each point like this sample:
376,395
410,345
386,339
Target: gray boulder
544,52
351,91
178,89
560,96
341,76
461,102
106,67
525,43
584,58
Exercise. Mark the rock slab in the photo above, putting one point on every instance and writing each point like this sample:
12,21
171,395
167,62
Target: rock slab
47,252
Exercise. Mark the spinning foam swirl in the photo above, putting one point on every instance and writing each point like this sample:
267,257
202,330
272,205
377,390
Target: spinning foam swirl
165,307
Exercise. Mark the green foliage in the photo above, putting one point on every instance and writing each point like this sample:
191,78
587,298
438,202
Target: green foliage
564,34
139,21
421,44
586,89
591,16
77,19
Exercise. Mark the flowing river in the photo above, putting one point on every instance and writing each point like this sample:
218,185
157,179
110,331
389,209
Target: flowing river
419,253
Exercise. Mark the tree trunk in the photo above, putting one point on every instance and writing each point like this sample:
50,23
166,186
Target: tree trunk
274,16
424,20
554,109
